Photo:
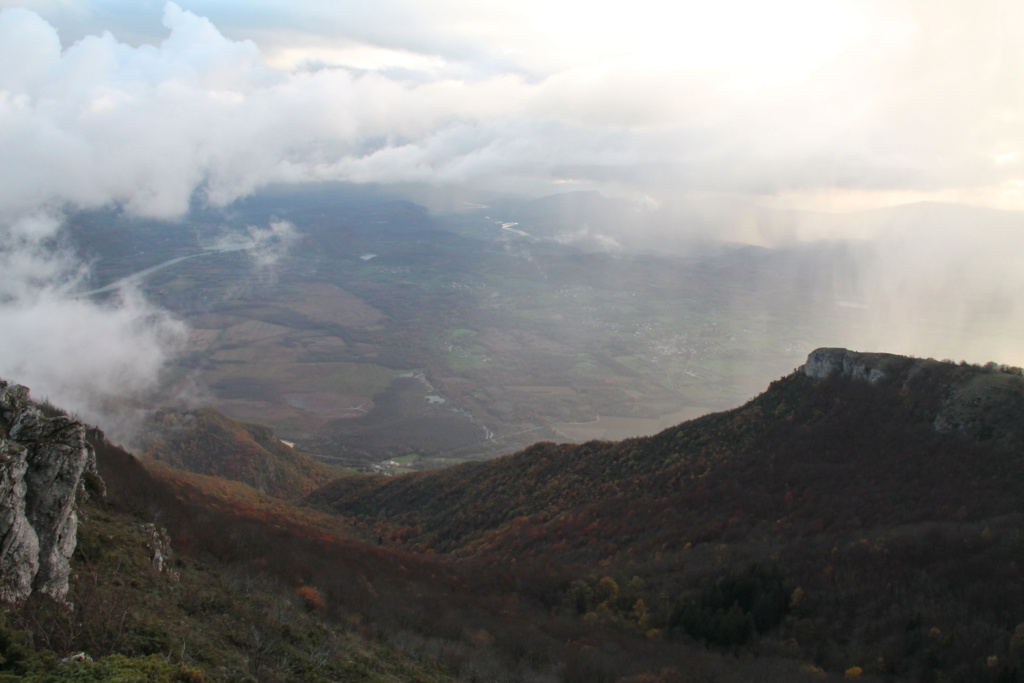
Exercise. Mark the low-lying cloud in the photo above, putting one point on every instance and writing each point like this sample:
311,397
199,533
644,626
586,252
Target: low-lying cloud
88,357
911,101
265,246
906,101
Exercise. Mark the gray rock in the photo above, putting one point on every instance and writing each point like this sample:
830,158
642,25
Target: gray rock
824,363
42,460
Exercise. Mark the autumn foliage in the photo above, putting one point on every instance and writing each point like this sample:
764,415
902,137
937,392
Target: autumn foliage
823,528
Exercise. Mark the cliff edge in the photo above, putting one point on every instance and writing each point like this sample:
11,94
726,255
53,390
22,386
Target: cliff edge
982,402
42,461
830,362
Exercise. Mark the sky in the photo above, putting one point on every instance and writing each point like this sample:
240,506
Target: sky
827,105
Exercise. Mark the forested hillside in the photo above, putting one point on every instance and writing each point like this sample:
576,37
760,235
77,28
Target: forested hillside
860,518
886,506
207,441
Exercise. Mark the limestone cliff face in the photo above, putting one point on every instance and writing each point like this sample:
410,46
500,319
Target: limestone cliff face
824,363
979,402
42,461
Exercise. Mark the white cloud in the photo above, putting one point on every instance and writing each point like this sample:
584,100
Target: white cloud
804,95
265,246
80,354
798,101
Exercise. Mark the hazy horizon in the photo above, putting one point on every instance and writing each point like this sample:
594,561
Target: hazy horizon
702,115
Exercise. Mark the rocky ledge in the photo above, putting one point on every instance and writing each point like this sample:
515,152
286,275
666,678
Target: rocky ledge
870,367
42,463
981,402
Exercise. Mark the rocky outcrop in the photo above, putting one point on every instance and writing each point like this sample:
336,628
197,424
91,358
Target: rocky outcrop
42,461
870,367
159,545
980,402
985,405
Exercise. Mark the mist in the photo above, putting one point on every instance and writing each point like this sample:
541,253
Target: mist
761,129
87,357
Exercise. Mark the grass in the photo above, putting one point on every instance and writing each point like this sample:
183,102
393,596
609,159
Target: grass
191,623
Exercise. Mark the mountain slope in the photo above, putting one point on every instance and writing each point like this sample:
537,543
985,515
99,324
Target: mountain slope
940,437
206,441
861,517
165,583
887,492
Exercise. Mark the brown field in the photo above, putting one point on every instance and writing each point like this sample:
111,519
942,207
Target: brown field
262,353
542,390
327,303
199,341
329,406
511,340
295,380
345,379
253,331
288,422
317,344
295,415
